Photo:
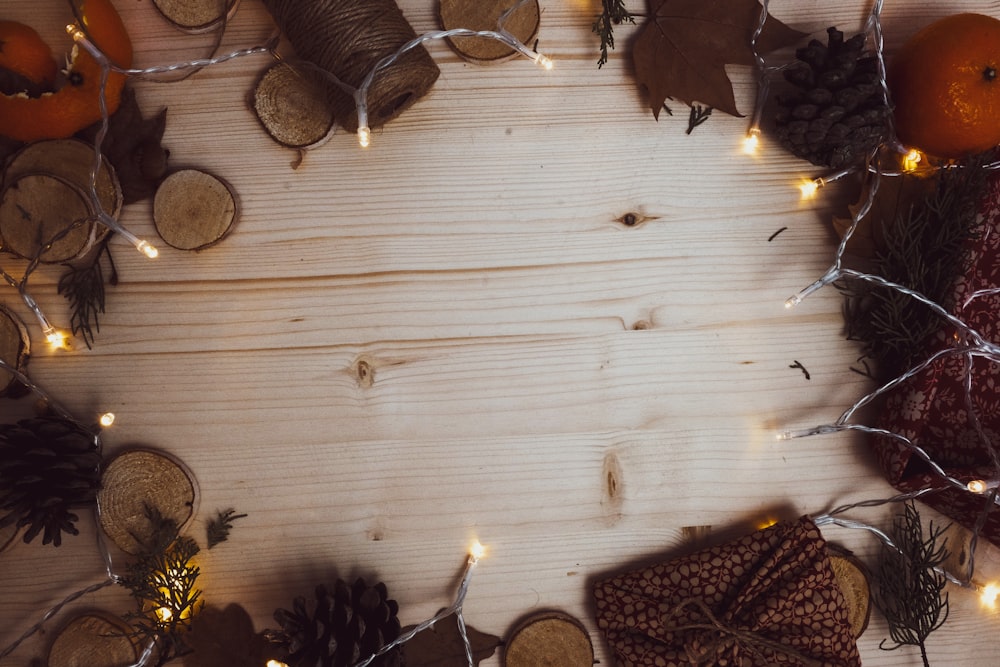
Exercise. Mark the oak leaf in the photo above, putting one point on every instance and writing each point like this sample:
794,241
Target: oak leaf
684,45
442,645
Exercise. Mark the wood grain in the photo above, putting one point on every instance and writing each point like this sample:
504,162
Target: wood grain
454,335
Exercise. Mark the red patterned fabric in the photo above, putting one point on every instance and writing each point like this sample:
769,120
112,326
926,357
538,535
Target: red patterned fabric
931,408
770,598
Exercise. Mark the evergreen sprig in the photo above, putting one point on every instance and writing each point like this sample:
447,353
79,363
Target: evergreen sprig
909,591
613,13
219,527
164,581
925,249
83,287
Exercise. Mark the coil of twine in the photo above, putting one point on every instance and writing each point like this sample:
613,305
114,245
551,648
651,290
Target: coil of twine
347,38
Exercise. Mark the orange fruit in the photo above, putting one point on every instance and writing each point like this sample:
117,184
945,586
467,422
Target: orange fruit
77,103
23,52
945,86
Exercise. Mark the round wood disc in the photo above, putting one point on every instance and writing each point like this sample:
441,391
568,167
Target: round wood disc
853,582
14,349
292,107
71,160
133,482
93,640
35,208
193,209
551,639
523,23
195,16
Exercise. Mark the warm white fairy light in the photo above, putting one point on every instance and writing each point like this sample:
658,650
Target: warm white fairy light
810,188
107,419
912,160
989,595
751,141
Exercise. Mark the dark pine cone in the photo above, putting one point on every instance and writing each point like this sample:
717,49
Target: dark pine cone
838,115
347,626
48,466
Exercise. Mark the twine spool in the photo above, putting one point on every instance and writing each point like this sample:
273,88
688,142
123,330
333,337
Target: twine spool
347,38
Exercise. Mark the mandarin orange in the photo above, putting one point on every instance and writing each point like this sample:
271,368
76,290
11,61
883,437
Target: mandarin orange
24,52
77,103
945,88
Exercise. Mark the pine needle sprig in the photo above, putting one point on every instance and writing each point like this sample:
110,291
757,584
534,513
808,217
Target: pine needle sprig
909,591
613,13
924,249
164,587
83,286
219,527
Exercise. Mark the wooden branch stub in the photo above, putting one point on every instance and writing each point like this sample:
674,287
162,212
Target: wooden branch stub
553,639
196,16
523,23
41,209
292,106
193,209
133,483
95,640
15,347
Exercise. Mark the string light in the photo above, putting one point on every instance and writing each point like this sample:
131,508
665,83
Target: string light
751,141
912,160
276,663
989,594
810,188
55,338
107,419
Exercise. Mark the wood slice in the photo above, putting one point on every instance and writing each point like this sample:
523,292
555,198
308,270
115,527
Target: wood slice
139,479
196,16
93,640
73,161
523,23
293,107
193,209
37,208
853,581
550,639
15,346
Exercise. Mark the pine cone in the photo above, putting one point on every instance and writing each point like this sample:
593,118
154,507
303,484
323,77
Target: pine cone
839,114
48,466
348,625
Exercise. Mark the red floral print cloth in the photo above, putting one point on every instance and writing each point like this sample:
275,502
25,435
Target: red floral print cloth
931,408
769,598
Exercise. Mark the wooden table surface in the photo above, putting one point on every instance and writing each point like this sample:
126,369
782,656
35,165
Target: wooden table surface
452,336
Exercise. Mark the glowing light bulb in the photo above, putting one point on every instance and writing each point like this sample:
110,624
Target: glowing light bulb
751,141
364,136
912,160
164,614
809,188
988,596
792,301
977,486
147,249
276,663
55,338
107,419
477,550
73,30
543,61
766,523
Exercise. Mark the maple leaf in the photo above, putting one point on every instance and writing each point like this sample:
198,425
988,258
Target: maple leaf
683,48
442,646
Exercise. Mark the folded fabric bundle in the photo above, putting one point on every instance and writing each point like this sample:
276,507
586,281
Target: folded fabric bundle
769,598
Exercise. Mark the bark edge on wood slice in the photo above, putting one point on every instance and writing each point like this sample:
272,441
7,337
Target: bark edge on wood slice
523,23
292,106
137,479
196,16
852,577
72,160
15,349
193,209
94,639
37,208
551,638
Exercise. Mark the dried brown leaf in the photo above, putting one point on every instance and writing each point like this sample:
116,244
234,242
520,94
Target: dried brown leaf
442,646
683,47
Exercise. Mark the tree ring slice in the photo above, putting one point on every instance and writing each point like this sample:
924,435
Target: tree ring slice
551,638
522,23
37,208
95,640
193,209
